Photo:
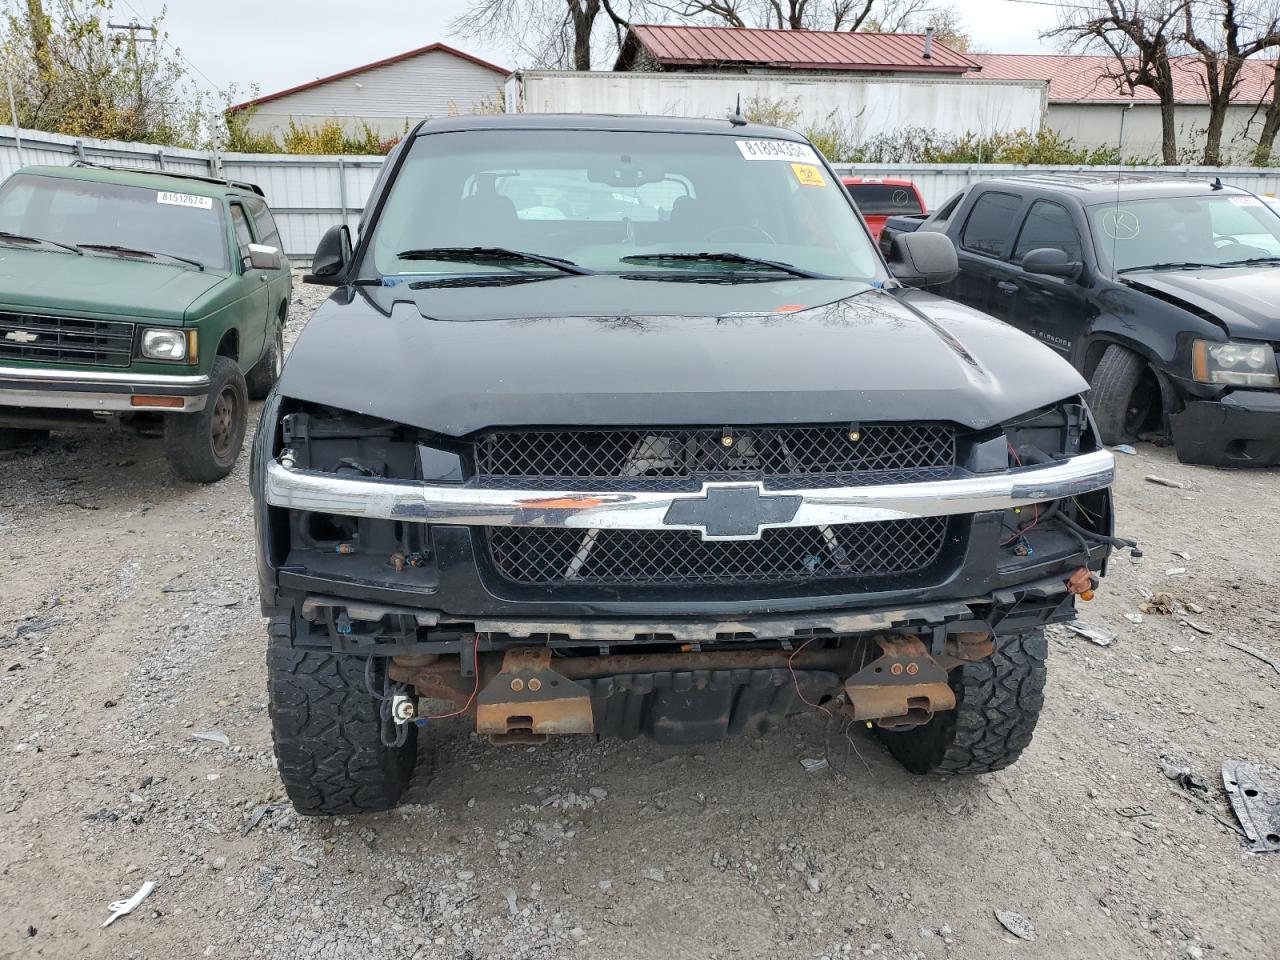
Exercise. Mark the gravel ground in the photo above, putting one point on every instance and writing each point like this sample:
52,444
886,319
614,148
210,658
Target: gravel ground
129,624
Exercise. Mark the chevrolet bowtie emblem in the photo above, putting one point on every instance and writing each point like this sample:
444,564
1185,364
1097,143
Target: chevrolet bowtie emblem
21,336
732,513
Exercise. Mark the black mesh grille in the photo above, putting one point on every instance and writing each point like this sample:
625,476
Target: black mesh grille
639,459
547,556
100,343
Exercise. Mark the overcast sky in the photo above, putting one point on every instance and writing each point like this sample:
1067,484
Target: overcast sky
279,43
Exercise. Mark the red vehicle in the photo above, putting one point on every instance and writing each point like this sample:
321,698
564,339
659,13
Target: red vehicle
879,198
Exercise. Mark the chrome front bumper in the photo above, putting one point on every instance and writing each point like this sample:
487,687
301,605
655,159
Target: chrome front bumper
105,390
413,501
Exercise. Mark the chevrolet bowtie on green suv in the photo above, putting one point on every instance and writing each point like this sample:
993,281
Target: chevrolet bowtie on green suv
139,298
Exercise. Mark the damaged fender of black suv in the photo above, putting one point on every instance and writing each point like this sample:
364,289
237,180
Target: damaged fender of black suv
597,453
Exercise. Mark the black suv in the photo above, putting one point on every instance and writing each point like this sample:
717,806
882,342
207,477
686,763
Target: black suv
621,426
1162,291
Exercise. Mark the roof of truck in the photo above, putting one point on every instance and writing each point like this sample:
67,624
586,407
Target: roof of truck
1102,187
196,184
593,121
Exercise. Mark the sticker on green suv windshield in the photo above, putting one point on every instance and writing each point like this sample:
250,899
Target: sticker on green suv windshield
184,200
776,150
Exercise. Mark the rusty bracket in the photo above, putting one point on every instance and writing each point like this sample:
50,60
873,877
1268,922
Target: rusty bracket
527,700
902,688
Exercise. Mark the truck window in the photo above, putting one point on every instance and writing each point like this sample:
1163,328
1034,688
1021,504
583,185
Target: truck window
990,223
264,222
1048,224
884,199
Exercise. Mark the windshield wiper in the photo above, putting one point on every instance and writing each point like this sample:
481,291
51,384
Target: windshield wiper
23,238
133,252
1173,265
492,255
725,258
1249,261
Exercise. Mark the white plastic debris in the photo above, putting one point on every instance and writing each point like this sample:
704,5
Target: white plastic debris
122,908
1133,617
1125,448
813,764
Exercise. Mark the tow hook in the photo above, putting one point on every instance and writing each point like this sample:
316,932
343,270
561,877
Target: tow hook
902,688
403,709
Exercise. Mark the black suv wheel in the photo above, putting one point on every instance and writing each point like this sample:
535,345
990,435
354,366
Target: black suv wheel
1122,395
327,730
998,702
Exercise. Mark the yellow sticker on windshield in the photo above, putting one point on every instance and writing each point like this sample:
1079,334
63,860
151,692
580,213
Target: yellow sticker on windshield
808,175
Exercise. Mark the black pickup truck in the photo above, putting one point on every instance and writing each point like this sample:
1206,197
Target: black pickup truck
622,427
1161,291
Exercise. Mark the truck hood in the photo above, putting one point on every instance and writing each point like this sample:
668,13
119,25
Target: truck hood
562,352
93,285
1242,299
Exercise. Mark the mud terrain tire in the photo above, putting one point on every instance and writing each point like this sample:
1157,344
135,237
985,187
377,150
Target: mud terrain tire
998,702
325,727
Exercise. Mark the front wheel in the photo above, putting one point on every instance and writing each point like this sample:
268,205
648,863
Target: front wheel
1122,397
327,729
203,447
998,702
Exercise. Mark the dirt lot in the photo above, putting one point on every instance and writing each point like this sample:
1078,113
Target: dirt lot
129,622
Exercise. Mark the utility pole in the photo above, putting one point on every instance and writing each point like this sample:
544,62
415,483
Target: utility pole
135,28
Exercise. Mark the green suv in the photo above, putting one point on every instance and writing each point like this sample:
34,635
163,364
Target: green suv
148,299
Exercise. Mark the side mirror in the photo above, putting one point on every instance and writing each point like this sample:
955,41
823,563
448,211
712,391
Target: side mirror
264,257
333,256
1051,262
923,259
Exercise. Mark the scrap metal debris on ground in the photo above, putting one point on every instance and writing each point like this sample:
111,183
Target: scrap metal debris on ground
1254,652
1094,634
1256,806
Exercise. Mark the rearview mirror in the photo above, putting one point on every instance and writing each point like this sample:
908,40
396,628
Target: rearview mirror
1051,262
332,257
264,257
923,259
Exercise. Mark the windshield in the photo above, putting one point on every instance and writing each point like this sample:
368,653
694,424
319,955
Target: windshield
617,202
1215,229
70,211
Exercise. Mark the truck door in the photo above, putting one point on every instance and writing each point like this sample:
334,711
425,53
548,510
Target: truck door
1052,309
985,281
257,299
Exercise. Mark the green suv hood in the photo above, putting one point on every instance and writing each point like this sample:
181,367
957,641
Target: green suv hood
44,281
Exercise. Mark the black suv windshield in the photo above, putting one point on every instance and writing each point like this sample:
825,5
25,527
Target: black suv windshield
618,202
1179,232
69,211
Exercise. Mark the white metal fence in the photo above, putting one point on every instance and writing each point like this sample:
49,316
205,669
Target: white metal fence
310,193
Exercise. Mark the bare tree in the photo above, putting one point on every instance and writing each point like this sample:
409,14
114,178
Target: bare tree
1143,38
1270,120
553,33
1224,34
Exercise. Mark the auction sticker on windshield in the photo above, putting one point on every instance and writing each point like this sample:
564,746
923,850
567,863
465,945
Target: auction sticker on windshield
808,175
777,150
184,200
